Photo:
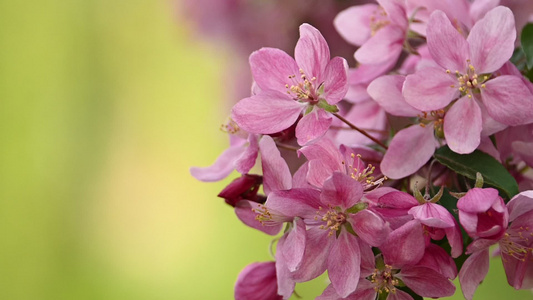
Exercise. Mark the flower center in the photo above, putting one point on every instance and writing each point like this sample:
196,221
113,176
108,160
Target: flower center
437,118
363,174
304,90
470,81
384,280
268,218
333,219
514,241
378,20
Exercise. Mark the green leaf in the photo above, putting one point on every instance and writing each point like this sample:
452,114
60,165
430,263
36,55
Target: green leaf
494,174
527,43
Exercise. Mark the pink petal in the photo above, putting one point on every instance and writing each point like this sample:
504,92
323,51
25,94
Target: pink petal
519,273
370,227
257,282
353,23
430,89
222,167
479,8
455,239
312,126
473,271
285,281
244,210
492,40
311,52
384,46
299,180
387,91
405,245
295,202
335,80
399,295
426,282
324,159
478,200
317,249
432,215
437,259
276,173
462,126
247,160
395,11
344,264
294,245
271,69
266,113
409,150
365,291
341,190
505,98
520,204
447,46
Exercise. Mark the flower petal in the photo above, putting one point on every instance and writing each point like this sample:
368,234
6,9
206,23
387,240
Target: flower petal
295,202
268,112
430,89
271,69
384,46
312,126
387,92
492,40
335,80
257,282
341,190
462,126
505,98
344,264
432,215
222,167
473,271
409,150
426,282
405,245
294,245
370,227
520,204
276,173
447,46
353,23
247,160
311,52
245,211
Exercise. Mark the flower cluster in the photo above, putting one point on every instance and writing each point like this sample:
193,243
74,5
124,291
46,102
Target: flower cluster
395,176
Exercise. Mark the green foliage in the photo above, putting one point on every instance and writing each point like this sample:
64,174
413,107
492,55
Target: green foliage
527,44
494,174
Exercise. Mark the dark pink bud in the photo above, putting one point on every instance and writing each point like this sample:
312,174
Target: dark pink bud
257,282
483,214
243,188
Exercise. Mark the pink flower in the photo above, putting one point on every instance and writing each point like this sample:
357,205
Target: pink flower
257,282
240,156
332,217
465,73
515,240
379,30
483,214
311,83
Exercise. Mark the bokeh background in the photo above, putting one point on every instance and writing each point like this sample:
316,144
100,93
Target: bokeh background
104,105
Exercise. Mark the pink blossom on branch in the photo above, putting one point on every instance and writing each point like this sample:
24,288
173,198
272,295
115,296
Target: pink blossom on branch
311,84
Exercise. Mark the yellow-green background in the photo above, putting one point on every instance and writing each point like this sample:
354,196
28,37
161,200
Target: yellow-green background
104,106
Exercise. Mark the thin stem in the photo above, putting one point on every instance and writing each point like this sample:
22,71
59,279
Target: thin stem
360,130
365,129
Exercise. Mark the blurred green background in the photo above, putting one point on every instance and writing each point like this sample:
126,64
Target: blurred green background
104,107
